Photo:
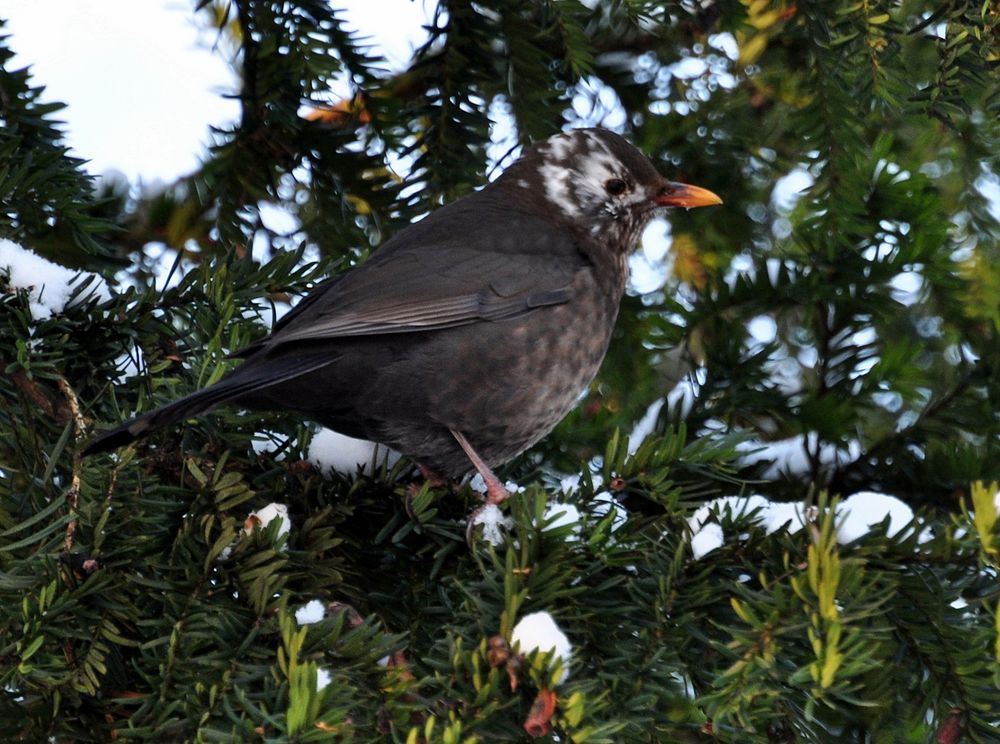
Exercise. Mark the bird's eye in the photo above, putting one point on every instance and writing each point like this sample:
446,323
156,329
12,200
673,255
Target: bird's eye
615,186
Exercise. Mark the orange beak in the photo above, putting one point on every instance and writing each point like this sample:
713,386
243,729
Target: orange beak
683,195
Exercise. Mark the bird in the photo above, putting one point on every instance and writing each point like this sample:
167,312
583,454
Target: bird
467,336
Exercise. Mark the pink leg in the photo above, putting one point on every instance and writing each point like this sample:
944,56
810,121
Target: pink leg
495,491
435,480
430,478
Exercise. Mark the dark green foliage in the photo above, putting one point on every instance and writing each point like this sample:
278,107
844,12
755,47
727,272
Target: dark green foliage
136,604
40,185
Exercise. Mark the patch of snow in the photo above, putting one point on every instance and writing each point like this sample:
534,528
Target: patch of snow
791,456
790,188
263,517
277,218
736,505
562,515
643,275
689,68
311,612
860,511
571,483
763,328
855,516
49,285
323,678
706,535
130,364
707,539
603,503
795,514
539,631
331,451
727,44
644,426
681,398
263,442
774,267
494,523
478,484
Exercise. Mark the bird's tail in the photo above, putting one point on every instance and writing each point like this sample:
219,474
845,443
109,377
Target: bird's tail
248,378
197,403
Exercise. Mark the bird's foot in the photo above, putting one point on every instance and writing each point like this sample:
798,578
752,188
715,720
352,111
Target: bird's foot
496,493
431,479
492,523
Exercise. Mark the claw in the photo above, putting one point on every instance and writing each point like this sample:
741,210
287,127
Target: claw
470,526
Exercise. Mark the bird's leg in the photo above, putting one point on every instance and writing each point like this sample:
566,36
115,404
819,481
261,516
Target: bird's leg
431,479
495,491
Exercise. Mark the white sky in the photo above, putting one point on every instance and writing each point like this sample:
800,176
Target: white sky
141,81
143,86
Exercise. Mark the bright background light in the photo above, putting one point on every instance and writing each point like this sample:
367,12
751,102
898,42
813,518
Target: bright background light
142,82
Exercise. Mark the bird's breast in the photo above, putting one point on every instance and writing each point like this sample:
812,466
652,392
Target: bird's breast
525,374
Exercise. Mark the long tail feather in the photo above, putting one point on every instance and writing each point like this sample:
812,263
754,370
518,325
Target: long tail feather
246,379
172,413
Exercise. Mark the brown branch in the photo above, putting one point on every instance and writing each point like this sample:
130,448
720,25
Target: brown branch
73,495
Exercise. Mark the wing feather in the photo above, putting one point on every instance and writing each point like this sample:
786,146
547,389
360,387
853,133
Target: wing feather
425,315
411,286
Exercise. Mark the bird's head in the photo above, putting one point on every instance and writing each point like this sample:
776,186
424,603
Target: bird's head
596,180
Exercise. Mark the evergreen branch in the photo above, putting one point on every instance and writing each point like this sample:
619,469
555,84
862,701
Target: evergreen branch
843,476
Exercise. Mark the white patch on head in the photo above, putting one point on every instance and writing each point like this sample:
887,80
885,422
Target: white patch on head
595,171
560,146
599,150
595,140
598,166
577,167
638,196
557,187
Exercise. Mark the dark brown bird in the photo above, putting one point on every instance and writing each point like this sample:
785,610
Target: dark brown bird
469,335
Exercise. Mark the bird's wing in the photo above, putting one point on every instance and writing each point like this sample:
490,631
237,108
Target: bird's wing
406,291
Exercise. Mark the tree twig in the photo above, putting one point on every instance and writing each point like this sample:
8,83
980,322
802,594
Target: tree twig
73,495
